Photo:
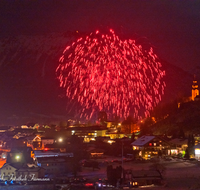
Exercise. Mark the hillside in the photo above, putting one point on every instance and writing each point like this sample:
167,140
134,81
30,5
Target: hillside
187,118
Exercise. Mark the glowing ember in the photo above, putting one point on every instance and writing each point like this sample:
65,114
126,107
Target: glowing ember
102,72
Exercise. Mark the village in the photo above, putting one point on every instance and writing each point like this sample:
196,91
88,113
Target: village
43,153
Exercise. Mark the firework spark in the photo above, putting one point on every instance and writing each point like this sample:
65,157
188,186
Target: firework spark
102,72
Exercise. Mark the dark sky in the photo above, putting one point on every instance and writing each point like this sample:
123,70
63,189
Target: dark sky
172,27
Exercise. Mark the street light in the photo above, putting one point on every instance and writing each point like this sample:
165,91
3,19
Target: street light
60,140
17,157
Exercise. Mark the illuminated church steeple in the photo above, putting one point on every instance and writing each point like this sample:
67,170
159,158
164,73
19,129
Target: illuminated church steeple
195,91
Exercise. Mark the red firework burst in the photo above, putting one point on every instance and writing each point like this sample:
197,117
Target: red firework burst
102,72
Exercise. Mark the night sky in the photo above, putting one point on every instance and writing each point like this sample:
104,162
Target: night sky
171,27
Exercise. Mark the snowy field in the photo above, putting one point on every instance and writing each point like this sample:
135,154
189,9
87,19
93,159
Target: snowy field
179,174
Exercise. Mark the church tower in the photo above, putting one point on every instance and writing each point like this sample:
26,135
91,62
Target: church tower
195,91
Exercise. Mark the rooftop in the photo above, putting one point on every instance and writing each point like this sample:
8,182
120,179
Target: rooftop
142,140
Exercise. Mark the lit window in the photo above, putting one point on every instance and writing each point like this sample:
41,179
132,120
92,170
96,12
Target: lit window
197,151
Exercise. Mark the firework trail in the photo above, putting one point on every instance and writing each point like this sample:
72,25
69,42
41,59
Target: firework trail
102,72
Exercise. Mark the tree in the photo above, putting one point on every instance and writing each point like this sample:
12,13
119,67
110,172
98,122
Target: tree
190,148
113,174
78,151
133,137
164,109
127,124
181,134
158,167
145,127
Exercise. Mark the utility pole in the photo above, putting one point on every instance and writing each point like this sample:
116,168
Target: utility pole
122,161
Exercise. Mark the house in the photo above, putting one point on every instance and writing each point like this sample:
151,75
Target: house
197,151
23,171
8,170
116,135
89,133
150,146
4,139
12,143
143,177
196,138
47,140
55,165
60,147
18,135
34,141
112,124
46,154
130,126
30,171
178,146
24,131
3,129
95,152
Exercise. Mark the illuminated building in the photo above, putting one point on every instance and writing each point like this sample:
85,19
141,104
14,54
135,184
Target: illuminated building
47,153
26,171
34,141
129,128
178,146
195,91
9,169
46,140
197,151
194,95
89,133
150,146
116,135
30,171
55,165
142,177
